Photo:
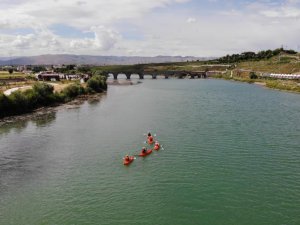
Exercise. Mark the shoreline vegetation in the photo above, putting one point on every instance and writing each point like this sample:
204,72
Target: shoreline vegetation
44,112
281,85
43,95
250,67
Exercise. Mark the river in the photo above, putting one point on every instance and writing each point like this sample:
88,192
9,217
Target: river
231,156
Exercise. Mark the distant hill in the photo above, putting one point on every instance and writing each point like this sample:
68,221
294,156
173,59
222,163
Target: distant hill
93,60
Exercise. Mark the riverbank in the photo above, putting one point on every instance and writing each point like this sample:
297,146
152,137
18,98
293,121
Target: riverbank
282,85
43,95
44,111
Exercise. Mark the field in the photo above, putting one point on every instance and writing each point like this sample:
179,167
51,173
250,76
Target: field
6,75
287,64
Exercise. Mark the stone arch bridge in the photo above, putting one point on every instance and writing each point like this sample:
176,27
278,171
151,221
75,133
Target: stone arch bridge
155,74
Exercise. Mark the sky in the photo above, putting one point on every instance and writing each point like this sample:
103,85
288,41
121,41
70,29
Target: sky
204,28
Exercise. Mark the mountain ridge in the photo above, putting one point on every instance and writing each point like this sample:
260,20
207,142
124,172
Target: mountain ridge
56,59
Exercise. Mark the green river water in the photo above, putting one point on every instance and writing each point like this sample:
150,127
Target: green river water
231,157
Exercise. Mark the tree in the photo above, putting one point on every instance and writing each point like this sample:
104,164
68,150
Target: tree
252,75
70,67
37,69
10,70
84,69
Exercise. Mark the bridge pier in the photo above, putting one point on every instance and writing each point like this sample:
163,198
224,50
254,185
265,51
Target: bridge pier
154,76
141,76
115,76
128,75
166,76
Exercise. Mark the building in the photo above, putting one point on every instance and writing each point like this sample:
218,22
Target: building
283,76
47,76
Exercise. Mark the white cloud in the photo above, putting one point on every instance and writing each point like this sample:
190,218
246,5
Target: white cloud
104,40
98,16
287,9
259,25
191,20
23,41
284,12
82,14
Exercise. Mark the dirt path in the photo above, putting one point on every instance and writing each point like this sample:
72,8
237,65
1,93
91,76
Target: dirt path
9,91
57,88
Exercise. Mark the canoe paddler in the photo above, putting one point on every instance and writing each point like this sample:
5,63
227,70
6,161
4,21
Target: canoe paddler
144,150
150,138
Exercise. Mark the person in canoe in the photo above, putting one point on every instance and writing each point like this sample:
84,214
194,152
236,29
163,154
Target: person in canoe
150,138
127,158
157,145
144,150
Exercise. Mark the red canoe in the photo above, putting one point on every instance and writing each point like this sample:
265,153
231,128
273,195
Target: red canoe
127,162
143,154
156,147
150,141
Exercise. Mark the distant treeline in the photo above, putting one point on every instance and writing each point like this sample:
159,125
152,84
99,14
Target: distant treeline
245,56
73,69
42,94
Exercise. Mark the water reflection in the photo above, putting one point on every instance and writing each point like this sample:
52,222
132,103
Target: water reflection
94,101
20,158
24,149
44,120
45,117
39,119
6,127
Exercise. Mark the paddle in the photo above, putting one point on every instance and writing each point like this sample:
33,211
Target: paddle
132,155
154,135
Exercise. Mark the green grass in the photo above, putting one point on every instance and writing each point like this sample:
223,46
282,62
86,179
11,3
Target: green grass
284,64
286,85
283,85
159,67
6,75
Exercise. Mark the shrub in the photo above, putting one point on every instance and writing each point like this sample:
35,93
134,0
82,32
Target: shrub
32,98
72,91
5,105
97,84
43,89
44,93
10,70
252,75
19,102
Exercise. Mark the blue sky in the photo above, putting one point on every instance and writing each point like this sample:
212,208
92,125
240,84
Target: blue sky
148,27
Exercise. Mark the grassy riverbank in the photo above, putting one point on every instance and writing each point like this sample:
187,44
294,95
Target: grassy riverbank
285,85
43,94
